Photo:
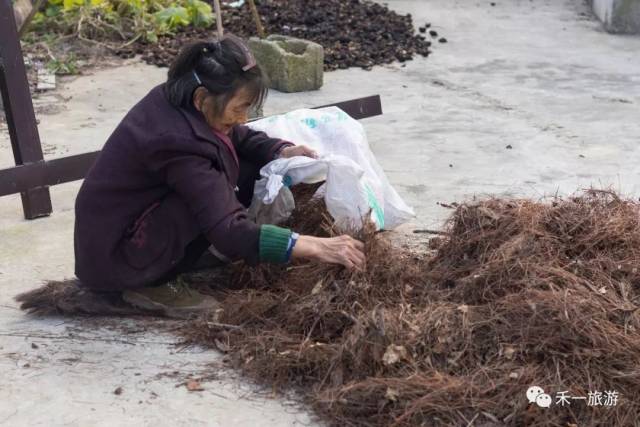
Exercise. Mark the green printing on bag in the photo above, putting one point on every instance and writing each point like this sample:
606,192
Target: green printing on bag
375,206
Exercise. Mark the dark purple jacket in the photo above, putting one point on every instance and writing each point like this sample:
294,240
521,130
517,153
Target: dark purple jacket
167,164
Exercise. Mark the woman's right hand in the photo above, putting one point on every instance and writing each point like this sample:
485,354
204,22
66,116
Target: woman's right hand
343,250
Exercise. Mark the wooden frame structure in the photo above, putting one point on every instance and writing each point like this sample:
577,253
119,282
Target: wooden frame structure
32,175
21,120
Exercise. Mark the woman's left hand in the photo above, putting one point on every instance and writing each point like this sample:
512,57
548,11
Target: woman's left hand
298,150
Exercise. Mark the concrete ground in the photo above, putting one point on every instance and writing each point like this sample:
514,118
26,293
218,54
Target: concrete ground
527,99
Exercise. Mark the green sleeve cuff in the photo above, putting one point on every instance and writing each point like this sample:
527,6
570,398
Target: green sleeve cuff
274,242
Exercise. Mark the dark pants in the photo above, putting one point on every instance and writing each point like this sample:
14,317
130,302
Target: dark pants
195,251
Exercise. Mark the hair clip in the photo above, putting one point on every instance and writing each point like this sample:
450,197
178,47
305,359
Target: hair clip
250,60
197,78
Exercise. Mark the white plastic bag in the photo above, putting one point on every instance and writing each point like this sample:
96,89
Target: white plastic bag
275,212
355,183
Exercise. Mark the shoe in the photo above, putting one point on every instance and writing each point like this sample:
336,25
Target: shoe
174,299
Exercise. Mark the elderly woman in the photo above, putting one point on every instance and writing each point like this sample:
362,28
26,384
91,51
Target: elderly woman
174,180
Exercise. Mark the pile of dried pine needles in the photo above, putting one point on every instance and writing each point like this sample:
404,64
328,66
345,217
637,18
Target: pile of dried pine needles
518,293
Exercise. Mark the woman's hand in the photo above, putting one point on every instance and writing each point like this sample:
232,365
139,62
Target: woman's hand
343,250
298,150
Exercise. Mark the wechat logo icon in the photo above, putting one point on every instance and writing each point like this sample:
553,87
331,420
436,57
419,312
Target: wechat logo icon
537,395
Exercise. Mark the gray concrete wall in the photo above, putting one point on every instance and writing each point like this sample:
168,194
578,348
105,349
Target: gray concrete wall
618,16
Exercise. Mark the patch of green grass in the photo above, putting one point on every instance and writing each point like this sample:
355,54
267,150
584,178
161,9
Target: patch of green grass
111,24
63,66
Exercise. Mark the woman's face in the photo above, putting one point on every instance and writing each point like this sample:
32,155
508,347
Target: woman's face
236,112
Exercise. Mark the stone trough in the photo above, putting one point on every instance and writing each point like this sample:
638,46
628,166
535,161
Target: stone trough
292,64
618,16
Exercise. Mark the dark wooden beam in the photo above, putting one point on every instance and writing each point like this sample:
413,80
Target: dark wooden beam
21,119
52,172
360,108
41,174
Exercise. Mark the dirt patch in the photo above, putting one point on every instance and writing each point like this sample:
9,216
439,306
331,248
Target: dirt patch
353,33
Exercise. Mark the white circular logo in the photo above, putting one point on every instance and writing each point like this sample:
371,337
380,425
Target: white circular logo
533,392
